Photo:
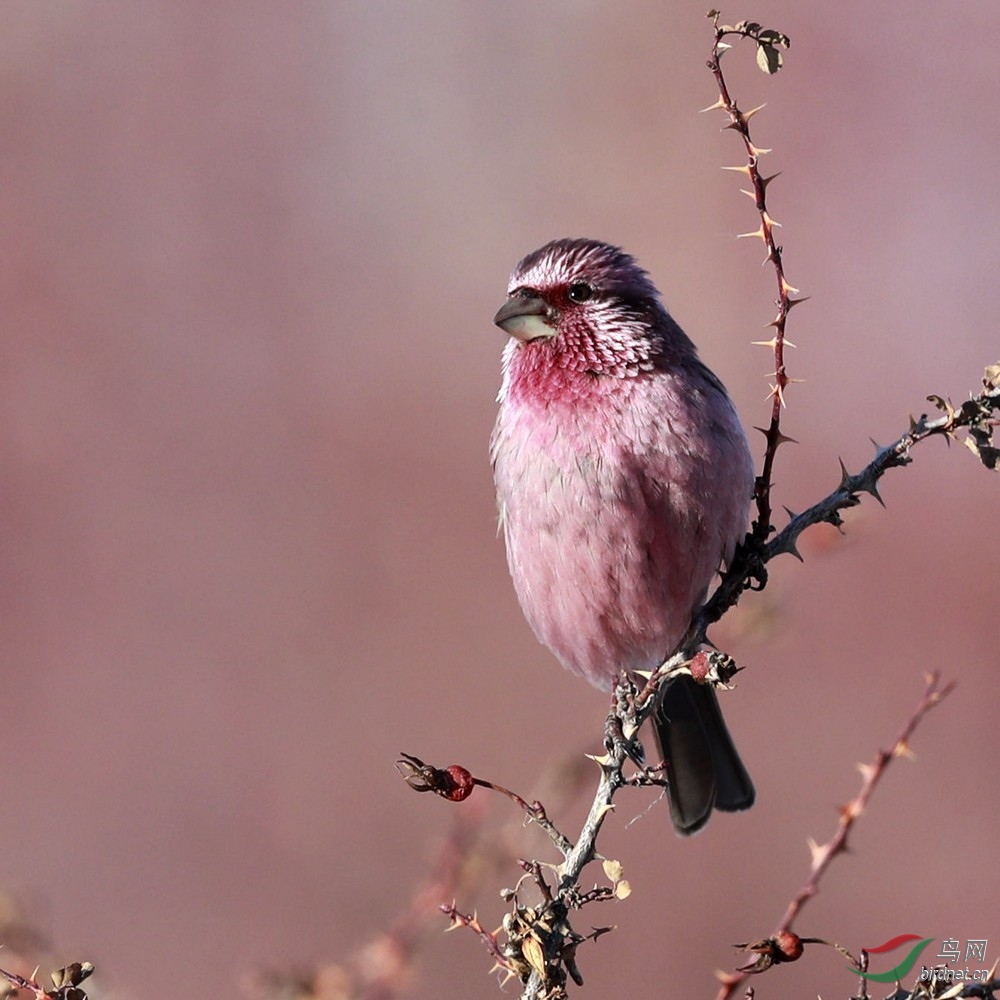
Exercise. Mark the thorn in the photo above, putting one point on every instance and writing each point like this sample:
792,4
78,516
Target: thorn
777,390
902,749
791,513
605,809
764,181
756,151
816,852
773,342
760,234
720,104
880,449
786,289
993,972
873,491
749,194
745,169
784,439
867,772
790,303
769,222
747,115
845,476
851,811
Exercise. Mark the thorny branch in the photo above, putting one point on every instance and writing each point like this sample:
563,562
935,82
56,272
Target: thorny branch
785,945
65,982
769,42
455,783
976,416
536,942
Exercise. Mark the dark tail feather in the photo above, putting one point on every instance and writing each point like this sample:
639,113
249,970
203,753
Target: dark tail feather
703,768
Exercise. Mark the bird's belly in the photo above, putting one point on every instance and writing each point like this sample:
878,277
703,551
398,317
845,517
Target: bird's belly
607,575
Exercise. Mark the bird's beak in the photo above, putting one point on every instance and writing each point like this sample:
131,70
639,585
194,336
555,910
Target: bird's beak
527,316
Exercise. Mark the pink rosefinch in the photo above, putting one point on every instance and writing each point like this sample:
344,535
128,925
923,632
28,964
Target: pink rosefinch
623,482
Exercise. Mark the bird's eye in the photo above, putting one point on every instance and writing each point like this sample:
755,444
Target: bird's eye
580,291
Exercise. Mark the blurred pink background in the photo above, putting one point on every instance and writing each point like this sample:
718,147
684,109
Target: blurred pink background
249,552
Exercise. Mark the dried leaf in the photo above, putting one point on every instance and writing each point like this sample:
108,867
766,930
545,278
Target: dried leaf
623,889
534,954
768,58
613,870
941,403
772,37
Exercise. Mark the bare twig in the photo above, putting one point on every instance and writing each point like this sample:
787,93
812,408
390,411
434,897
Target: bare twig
456,783
784,945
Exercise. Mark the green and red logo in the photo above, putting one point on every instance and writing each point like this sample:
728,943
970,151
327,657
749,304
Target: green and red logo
904,967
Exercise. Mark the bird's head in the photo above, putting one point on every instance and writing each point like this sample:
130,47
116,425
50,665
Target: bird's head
589,307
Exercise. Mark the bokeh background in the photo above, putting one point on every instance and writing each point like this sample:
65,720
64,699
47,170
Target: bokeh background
250,257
